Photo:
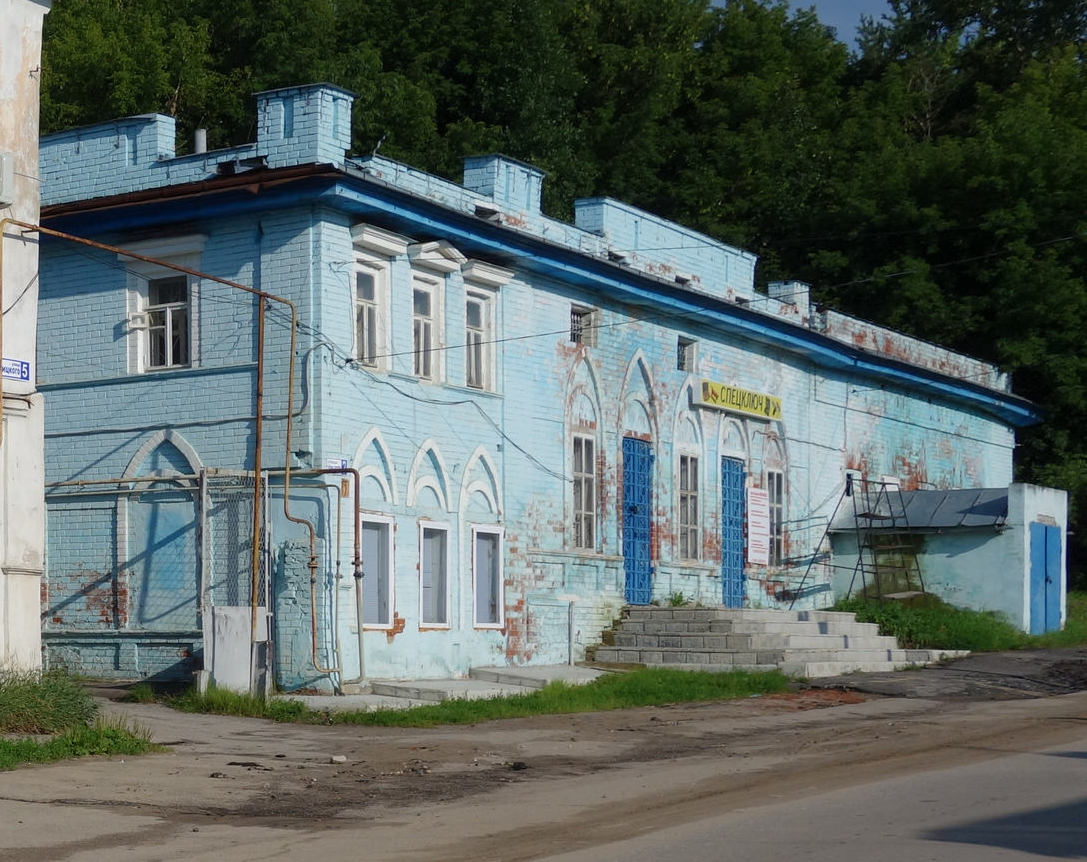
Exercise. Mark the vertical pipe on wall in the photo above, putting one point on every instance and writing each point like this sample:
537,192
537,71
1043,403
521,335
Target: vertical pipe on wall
258,428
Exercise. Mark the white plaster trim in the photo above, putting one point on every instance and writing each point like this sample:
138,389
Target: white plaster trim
380,241
164,247
630,392
165,435
438,256
417,482
483,274
489,487
386,480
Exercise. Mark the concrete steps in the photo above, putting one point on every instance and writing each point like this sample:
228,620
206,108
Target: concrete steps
482,683
801,643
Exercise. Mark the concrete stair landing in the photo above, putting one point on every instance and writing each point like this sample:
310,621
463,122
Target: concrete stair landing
800,643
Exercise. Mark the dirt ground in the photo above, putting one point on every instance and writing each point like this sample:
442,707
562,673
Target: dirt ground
228,788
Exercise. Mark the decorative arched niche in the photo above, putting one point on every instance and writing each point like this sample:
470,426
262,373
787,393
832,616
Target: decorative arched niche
428,486
376,473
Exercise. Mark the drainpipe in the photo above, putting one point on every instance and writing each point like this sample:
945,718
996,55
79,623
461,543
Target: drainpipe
356,564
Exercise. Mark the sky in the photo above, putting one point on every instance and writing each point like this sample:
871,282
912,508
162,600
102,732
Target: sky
843,15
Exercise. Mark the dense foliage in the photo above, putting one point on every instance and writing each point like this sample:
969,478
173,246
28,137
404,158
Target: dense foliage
929,180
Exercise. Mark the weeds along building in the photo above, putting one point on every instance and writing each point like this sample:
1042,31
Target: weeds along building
542,421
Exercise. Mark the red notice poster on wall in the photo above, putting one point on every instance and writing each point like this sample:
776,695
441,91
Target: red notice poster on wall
758,526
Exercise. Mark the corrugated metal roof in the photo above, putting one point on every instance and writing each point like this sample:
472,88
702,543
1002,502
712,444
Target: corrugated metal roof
968,508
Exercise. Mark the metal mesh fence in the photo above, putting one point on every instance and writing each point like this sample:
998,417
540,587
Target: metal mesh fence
228,541
153,555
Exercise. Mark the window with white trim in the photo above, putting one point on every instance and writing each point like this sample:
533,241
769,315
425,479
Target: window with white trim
688,508
487,585
478,340
162,304
775,490
167,311
375,249
433,575
425,327
584,476
369,301
377,571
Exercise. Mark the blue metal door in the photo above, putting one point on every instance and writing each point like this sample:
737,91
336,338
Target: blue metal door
637,503
1045,578
732,532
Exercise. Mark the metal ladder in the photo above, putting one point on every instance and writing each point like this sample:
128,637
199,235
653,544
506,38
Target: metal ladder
887,547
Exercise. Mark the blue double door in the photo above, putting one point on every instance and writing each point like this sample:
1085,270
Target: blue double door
638,525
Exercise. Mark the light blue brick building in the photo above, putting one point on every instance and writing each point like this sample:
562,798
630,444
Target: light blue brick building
546,420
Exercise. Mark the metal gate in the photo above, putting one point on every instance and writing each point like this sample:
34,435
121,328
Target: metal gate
732,532
637,506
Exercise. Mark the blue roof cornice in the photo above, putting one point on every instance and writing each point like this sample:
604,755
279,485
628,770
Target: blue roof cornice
361,195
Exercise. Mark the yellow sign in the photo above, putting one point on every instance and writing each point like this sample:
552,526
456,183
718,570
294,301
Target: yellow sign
739,400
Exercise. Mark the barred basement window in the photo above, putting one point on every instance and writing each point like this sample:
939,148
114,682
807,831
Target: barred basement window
685,354
582,326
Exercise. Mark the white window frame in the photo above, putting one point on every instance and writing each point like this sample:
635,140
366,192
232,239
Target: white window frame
482,282
175,326
184,251
427,329
499,534
584,321
580,515
479,341
774,483
389,524
375,249
443,528
431,263
378,272
688,522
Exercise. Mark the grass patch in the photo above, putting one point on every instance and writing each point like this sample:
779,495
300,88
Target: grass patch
103,736
644,687
934,624
1074,632
32,702
55,706
141,692
221,701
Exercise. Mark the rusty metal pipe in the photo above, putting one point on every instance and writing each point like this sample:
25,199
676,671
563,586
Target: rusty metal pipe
356,563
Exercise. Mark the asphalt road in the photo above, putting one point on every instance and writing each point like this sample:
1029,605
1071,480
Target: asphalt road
1031,805
983,761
